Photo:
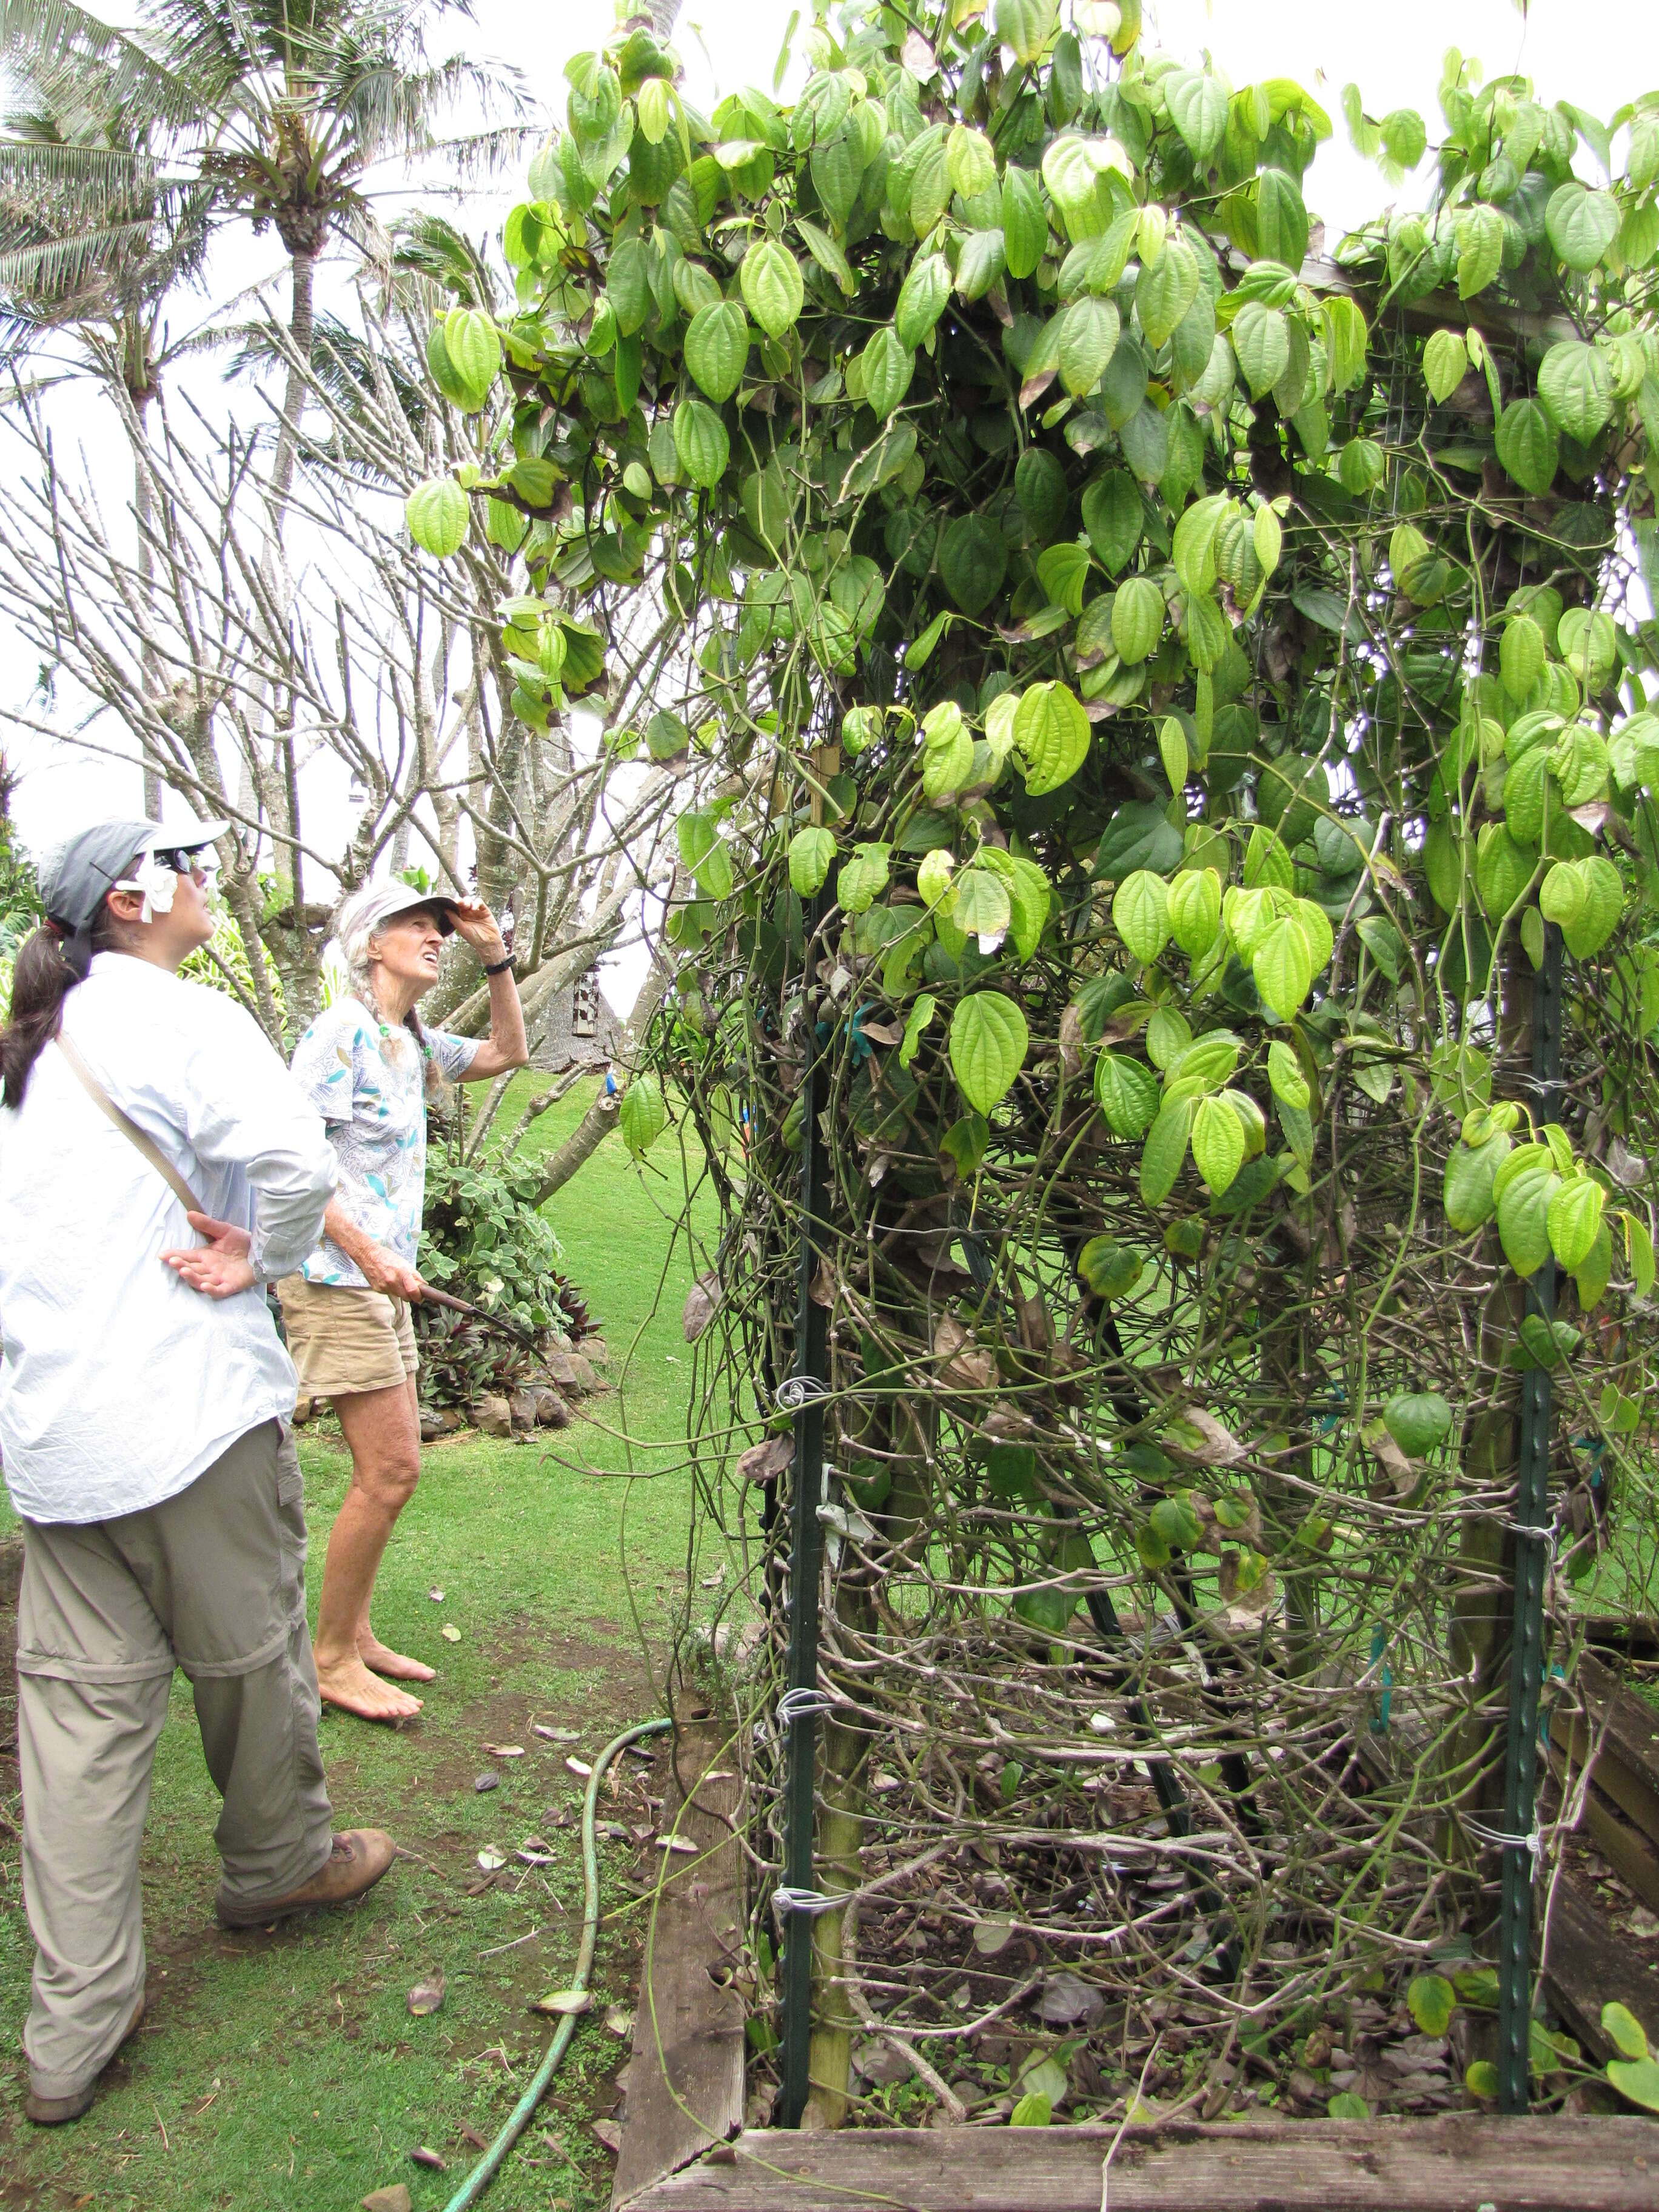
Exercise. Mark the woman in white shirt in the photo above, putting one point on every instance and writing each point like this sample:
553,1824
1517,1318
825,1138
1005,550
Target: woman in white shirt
144,1401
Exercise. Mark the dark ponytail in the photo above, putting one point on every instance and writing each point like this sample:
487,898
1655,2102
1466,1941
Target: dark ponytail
42,979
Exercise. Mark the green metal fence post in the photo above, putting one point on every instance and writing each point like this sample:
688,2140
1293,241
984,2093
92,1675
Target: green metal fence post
1532,1522
798,1708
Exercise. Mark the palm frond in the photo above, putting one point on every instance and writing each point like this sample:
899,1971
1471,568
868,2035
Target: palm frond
487,153
51,266
60,184
395,110
342,365
55,46
426,245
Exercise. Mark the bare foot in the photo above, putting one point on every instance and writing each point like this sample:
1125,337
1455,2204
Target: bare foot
385,1661
348,1685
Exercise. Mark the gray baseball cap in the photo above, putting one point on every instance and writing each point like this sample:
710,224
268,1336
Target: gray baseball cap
74,875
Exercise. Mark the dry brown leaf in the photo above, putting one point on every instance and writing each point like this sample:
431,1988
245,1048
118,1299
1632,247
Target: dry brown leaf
426,1996
702,1304
963,1366
764,1462
1006,1424
1071,1043
1215,1445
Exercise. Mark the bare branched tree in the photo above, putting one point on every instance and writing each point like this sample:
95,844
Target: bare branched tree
363,663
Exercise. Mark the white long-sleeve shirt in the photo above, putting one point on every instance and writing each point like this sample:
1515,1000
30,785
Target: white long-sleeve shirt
119,1384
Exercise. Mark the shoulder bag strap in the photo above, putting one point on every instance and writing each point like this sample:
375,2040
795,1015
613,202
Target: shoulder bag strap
130,1129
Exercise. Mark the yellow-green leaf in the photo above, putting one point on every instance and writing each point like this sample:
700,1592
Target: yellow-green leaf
988,1041
1052,731
1140,915
1217,1140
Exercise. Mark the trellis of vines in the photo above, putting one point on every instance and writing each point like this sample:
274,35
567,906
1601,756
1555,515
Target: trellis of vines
1168,708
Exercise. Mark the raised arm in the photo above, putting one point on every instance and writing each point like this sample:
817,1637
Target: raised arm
506,1047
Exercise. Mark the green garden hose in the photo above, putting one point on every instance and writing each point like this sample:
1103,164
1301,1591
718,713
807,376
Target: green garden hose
496,2157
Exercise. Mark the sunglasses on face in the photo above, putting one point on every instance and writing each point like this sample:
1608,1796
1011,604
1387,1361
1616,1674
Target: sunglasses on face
189,861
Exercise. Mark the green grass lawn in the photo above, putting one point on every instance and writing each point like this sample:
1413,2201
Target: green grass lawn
286,2069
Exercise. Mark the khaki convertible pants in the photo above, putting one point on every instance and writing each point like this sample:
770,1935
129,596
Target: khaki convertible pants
211,1581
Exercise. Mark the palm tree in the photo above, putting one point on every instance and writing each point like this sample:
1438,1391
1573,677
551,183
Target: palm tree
275,112
93,235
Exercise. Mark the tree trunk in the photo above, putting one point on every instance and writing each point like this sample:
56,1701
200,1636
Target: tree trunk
301,327
580,1144
144,509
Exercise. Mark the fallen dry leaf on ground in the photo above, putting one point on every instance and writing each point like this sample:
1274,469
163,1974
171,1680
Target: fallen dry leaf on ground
450,1634
563,2001
426,1996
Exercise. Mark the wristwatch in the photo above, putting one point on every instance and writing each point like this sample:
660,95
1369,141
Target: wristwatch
498,967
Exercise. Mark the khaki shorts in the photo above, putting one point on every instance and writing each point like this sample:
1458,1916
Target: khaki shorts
345,1338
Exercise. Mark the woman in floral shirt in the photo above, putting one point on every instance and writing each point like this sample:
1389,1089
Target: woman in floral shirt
369,1065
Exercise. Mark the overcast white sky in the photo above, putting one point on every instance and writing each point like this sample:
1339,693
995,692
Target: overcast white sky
1598,54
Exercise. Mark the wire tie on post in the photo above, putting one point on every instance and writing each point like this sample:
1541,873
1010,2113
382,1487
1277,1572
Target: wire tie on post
809,1901
804,1703
1533,1843
1539,1532
796,1391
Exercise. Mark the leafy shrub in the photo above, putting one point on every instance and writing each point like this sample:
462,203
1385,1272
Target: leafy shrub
484,1239
20,903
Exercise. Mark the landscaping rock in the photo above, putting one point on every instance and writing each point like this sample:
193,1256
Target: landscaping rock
301,1412
551,1412
431,1425
596,1350
395,2199
521,1407
450,1420
572,1371
495,1417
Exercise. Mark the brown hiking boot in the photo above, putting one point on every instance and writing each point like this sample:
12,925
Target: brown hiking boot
356,1863
53,2111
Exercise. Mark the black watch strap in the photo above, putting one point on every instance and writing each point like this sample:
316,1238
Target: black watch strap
500,967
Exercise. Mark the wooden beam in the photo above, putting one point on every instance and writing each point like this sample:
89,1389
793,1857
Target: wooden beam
1587,1965
1457,2162
1628,1727
685,2079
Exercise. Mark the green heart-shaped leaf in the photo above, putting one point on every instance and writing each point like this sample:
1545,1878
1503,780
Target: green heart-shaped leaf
988,1043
